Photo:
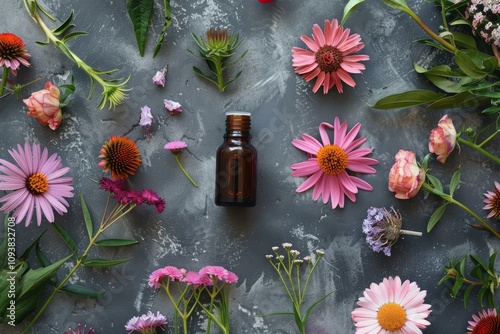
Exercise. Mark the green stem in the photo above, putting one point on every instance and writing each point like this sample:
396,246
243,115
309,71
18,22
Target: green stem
218,73
5,73
484,142
454,201
184,171
479,148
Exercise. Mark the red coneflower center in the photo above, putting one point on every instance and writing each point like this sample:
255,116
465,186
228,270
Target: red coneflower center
332,159
122,157
37,184
328,58
11,46
391,317
488,325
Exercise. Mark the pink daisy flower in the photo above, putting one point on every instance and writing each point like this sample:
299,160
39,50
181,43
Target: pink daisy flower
37,182
486,322
217,272
146,323
330,58
175,146
392,306
492,202
328,163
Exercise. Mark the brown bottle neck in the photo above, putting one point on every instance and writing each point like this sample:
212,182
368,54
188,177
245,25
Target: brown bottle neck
238,126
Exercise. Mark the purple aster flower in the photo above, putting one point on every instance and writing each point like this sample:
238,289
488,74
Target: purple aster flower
146,323
383,228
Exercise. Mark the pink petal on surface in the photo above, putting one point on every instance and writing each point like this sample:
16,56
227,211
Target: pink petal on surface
310,182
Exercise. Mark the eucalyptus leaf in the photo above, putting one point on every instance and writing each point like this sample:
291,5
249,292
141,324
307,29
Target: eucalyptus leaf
408,99
104,262
139,12
436,216
349,8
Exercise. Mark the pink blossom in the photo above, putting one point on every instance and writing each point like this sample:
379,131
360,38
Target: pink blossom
405,176
443,139
44,105
172,107
217,272
159,77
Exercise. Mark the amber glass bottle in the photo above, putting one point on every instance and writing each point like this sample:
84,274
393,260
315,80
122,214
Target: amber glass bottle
236,164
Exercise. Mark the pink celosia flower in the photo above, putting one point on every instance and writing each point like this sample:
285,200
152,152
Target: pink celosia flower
37,184
405,176
443,139
44,105
146,323
172,107
486,322
392,307
492,202
328,163
330,58
12,52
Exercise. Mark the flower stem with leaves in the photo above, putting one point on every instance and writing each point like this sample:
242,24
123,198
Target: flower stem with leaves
288,269
114,91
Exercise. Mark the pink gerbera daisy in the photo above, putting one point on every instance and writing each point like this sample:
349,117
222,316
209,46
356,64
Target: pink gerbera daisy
331,58
37,182
486,322
392,306
328,163
492,201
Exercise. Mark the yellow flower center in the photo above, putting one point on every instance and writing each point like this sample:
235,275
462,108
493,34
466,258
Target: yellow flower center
37,184
329,58
332,159
391,317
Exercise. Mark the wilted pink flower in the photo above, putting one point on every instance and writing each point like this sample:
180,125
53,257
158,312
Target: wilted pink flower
330,59
159,77
44,105
146,121
172,107
146,323
405,176
443,139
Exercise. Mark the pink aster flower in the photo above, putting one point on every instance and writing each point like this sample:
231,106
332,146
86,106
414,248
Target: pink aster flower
146,323
443,139
328,163
492,201
172,107
392,307
37,182
486,322
330,58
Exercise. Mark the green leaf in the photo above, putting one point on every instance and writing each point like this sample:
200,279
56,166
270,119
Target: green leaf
456,286
491,264
73,35
4,245
28,249
398,4
478,261
408,99
467,293
464,40
66,237
440,70
435,183
139,12
491,110
460,100
480,295
104,262
65,25
166,24
467,64
115,242
349,9
455,181
81,290
44,261
435,217
86,217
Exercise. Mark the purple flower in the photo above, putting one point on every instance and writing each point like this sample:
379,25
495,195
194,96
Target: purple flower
146,121
172,107
159,77
146,323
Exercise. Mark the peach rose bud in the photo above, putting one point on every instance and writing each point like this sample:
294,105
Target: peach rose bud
442,139
405,176
44,105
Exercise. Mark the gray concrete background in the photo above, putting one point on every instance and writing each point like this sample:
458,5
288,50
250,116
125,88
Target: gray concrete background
192,232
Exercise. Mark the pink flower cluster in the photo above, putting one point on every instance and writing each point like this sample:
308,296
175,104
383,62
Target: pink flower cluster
124,195
207,276
484,15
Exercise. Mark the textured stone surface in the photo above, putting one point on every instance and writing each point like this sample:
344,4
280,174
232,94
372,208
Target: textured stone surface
192,232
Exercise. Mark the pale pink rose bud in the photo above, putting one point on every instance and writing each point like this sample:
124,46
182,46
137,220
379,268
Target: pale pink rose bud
172,107
44,105
406,177
443,139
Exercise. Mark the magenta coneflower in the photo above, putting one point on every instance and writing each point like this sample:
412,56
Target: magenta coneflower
392,307
331,58
37,182
486,322
328,164
493,202
12,52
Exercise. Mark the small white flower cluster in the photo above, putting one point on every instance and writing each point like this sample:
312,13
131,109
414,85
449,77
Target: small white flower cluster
485,18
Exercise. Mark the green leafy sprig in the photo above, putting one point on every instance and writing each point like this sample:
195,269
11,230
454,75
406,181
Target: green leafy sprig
481,275
216,50
289,271
472,79
114,90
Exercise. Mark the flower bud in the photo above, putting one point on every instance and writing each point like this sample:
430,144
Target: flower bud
44,105
443,139
405,176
